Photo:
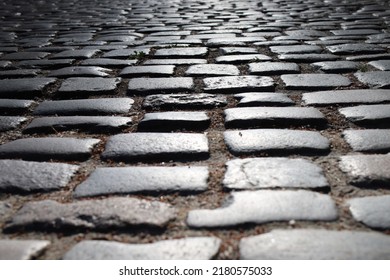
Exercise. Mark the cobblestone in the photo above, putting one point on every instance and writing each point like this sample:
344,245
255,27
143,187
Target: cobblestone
139,180
212,70
27,176
354,96
263,99
153,85
190,248
273,68
21,249
184,101
27,87
376,79
314,81
48,148
87,86
266,206
303,244
367,115
150,71
368,140
168,121
9,123
118,212
236,84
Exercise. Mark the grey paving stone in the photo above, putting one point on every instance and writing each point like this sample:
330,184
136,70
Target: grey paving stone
189,248
189,61
5,64
242,58
368,115
376,79
44,63
212,70
355,49
273,68
184,101
168,121
117,212
308,58
368,140
296,49
305,32
368,57
127,53
9,123
355,32
238,50
383,65
248,99
19,73
156,146
150,179
27,176
87,86
21,249
25,55
371,211
314,81
81,71
273,117
92,124
237,84
275,141
160,85
182,52
367,170
153,70
48,148
354,96
336,66
78,54
259,173
315,244
101,106
266,206
234,41
25,87
108,62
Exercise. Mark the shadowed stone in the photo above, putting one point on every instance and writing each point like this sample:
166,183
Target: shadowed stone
371,211
21,249
368,140
87,86
118,212
154,146
367,170
258,173
108,62
26,87
78,54
101,106
9,123
273,141
266,206
368,115
48,148
273,116
236,84
92,124
178,61
15,105
315,244
26,176
190,248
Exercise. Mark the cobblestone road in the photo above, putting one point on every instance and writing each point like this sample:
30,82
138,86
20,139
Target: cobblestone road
189,129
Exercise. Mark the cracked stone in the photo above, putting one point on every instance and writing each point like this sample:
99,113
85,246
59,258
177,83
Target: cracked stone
184,101
125,180
237,84
258,173
189,248
21,249
27,176
48,148
315,244
371,211
154,146
273,117
367,170
274,141
368,140
117,212
265,206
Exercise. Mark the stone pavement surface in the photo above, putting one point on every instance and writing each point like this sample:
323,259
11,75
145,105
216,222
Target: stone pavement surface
191,129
